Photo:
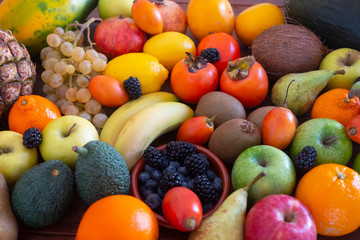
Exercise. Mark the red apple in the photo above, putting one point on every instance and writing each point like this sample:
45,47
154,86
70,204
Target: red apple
118,35
279,216
173,15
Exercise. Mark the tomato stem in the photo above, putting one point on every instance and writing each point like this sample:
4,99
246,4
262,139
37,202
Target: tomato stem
210,121
190,223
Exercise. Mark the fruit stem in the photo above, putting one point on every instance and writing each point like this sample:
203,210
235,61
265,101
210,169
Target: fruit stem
239,69
55,172
260,175
341,71
329,141
82,29
195,63
210,121
82,151
287,92
353,131
70,130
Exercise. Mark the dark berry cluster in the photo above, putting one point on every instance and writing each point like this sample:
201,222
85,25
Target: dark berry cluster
305,159
132,87
32,137
211,55
180,164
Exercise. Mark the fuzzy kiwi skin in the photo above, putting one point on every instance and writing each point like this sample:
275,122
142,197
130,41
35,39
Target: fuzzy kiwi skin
232,137
258,115
221,105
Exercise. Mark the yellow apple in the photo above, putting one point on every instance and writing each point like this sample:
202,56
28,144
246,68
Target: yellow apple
343,58
15,158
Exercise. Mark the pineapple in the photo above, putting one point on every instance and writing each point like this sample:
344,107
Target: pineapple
17,72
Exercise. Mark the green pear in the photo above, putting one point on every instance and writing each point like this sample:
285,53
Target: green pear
227,222
303,91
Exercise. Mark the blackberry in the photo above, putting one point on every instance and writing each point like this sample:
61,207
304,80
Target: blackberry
211,55
132,87
305,159
32,137
204,189
169,181
195,164
178,150
154,158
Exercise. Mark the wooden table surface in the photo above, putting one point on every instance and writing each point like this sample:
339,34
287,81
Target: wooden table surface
65,228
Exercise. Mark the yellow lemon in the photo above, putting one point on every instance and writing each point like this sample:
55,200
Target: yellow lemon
146,68
169,48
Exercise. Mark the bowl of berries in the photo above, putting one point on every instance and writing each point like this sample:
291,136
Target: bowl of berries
179,163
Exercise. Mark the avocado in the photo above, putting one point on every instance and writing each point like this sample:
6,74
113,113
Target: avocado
43,194
100,171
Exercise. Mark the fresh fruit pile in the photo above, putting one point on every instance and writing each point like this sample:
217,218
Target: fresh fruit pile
277,102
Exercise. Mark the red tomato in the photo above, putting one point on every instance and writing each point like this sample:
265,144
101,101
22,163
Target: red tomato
227,46
191,78
246,80
147,17
196,130
108,91
182,208
353,128
278,128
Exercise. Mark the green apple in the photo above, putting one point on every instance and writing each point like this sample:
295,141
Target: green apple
15,158
327,136
280,173
114,8
342,59
61,134
356,164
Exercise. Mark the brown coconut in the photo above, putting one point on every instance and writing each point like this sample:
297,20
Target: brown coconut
288,48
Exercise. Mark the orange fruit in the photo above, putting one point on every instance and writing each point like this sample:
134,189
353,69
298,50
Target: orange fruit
32,111
336,105
332,194
255,19
118,217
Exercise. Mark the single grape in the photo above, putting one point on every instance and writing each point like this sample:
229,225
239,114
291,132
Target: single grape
99,65
82,81
66,48
52,97
83,95
85,115
71,94
44,51
70,69
45,75
93,106
78,54
47,89
53,54
56,80
49,63
103,57
91,55
71,110
99,120
61,91
53,40
59,31
69,36
64,105
85,67
59,102
60,68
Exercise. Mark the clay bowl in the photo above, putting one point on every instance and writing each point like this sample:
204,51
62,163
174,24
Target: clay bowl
216,165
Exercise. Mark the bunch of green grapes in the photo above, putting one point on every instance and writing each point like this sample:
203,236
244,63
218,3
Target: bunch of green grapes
68,68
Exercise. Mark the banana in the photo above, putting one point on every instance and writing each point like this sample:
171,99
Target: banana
147,125
120,116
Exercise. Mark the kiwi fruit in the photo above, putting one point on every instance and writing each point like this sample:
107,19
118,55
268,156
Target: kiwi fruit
221,105
232,137
258,115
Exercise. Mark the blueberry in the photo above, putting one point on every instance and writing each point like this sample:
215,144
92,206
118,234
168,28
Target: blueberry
148,168
153,200
183,170
211,175
160,193
217,184
143,177
169,169
151,184
175,164
156,175
144,191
